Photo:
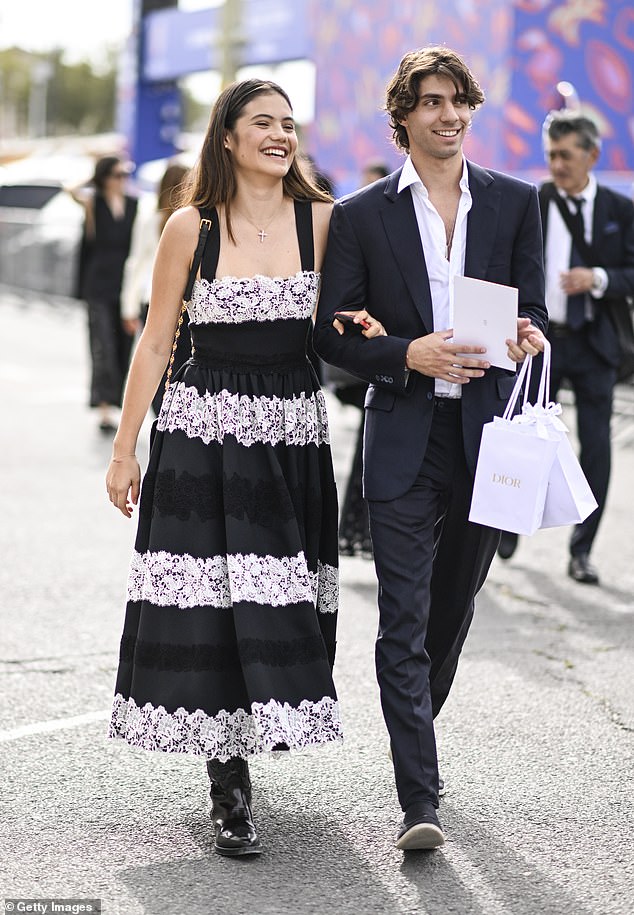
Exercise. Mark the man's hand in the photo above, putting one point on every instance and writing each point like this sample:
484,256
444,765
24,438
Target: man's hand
577,281
530,341
433,356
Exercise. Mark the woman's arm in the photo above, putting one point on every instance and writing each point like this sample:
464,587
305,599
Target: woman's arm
171,269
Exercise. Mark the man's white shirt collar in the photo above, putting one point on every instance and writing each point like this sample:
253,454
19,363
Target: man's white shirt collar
587,194
410,177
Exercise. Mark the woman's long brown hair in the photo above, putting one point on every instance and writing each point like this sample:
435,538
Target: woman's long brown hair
213,179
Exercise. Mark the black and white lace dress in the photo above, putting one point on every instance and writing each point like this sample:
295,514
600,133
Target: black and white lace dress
229,635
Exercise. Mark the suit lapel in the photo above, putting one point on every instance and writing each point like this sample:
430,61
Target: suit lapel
600,216
401,227
482,221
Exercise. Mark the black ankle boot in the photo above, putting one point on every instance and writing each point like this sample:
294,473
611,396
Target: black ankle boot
231,807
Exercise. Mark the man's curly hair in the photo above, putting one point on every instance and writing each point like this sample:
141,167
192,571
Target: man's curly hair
402,90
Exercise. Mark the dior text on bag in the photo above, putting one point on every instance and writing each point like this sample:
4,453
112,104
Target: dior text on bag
527,475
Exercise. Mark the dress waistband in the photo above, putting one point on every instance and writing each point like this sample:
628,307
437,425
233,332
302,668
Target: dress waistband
248,362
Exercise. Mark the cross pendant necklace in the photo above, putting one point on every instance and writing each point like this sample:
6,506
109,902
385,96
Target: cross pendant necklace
262,233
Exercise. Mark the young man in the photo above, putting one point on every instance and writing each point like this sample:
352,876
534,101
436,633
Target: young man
394,249
580,294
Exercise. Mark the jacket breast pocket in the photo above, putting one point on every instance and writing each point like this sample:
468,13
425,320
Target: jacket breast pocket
379,399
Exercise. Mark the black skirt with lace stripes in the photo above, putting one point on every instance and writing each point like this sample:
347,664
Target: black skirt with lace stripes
230,628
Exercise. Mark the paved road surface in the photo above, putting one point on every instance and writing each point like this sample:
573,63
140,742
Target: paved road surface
536,741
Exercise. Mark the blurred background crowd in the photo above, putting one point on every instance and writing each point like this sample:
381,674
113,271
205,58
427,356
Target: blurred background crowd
111,101
136,79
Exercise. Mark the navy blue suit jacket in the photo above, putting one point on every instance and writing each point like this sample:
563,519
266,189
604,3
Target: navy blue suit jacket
375,260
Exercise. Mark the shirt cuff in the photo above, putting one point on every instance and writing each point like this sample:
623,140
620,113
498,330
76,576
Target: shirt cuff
599,282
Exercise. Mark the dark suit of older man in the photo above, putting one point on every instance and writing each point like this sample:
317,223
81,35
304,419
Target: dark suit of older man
587,283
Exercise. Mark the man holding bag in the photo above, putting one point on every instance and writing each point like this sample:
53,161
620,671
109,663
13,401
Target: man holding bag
589,260
394,249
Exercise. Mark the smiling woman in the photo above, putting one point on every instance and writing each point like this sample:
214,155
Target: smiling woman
229,636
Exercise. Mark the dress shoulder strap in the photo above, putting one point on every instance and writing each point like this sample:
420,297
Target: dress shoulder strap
209,263
304,224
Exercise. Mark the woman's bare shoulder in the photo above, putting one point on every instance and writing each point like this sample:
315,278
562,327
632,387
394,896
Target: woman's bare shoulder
183,224
322,212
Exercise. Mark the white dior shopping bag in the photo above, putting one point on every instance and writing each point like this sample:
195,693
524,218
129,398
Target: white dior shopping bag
569,499
514,464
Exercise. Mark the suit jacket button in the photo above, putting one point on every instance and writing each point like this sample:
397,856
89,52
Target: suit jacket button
430,396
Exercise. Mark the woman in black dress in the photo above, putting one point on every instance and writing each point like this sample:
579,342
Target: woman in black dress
229,637
110,214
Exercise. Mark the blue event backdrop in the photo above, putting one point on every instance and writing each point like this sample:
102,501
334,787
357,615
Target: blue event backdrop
518,49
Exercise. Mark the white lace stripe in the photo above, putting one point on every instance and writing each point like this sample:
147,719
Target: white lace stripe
234,300
174,580
299,420
226,734
325,584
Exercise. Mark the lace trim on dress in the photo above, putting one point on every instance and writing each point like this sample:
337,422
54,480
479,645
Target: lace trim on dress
234,300
173,580
298,420
226,734
221,657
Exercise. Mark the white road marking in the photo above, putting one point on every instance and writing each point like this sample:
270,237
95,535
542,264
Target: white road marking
57,724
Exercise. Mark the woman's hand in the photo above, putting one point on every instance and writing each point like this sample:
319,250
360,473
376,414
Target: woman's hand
530,341
123,483
374,329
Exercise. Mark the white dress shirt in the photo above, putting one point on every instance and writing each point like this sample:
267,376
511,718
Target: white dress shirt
441,271
557,252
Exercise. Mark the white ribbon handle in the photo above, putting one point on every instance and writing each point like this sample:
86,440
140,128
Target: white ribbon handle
517,387
543,393
524,375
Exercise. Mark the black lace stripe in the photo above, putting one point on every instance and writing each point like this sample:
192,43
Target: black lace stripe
221,656
262,502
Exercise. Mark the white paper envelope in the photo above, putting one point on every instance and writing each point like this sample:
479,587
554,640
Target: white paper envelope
485,314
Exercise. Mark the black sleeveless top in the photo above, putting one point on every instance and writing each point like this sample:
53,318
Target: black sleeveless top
303,223
254,323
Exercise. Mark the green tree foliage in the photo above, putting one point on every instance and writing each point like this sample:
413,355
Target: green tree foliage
78,98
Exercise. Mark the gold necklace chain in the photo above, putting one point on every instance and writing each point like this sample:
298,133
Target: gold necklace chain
262,233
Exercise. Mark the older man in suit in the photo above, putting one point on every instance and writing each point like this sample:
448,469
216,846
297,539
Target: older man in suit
393,251
589,257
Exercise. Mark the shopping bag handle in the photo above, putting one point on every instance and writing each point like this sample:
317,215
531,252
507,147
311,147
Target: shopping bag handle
543,392
524,375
